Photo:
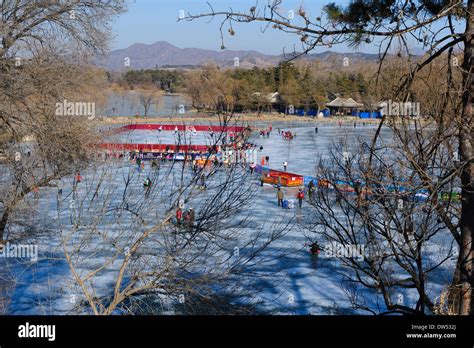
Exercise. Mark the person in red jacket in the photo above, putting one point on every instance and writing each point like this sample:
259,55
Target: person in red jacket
78,177
179,216
314,249
300,197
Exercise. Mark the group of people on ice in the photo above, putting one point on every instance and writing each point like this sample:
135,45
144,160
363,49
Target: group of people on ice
288,135
185,218
265,132
265,161
287,204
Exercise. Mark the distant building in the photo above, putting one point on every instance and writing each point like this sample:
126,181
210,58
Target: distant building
274,98
268,102
271,98
344,107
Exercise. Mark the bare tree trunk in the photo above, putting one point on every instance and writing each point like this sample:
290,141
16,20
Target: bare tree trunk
467,176
3,223
10,206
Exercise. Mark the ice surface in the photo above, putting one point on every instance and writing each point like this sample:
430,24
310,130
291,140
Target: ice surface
302,285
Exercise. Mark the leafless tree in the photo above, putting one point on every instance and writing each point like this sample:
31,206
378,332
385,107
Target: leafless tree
157,263
44,45
147,98
390,211
391,25
211,89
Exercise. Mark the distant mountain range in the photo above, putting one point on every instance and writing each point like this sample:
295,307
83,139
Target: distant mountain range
163,54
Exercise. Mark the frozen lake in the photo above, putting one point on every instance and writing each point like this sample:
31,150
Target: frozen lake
96,219
128,104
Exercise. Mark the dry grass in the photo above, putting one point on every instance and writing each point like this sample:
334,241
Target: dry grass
238,118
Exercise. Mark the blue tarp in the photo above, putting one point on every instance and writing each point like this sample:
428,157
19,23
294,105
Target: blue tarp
260,169
368,114
299,112
302,112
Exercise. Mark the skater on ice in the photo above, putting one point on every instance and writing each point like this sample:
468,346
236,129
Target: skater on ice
280,197
300,197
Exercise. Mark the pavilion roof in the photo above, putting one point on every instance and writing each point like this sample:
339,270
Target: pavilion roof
344,103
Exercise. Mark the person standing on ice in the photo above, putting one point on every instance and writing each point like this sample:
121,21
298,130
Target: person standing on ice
179,216
76,182
311,187
147,182
314,249
147,186
190,217
252,167
285,165
78,178
300,197
280,197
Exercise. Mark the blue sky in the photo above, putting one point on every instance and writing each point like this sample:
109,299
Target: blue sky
148,21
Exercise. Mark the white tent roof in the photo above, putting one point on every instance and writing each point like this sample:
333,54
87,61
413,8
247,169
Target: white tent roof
344,103
272,97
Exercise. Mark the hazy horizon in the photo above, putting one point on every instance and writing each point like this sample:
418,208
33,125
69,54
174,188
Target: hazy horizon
320,50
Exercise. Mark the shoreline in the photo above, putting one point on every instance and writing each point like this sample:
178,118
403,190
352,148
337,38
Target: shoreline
264,118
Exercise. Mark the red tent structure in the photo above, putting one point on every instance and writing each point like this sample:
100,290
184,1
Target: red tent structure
180,128
285,179
155,147
172,148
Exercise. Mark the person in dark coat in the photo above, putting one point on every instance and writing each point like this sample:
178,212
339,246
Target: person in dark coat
315,249
311,187
191,217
